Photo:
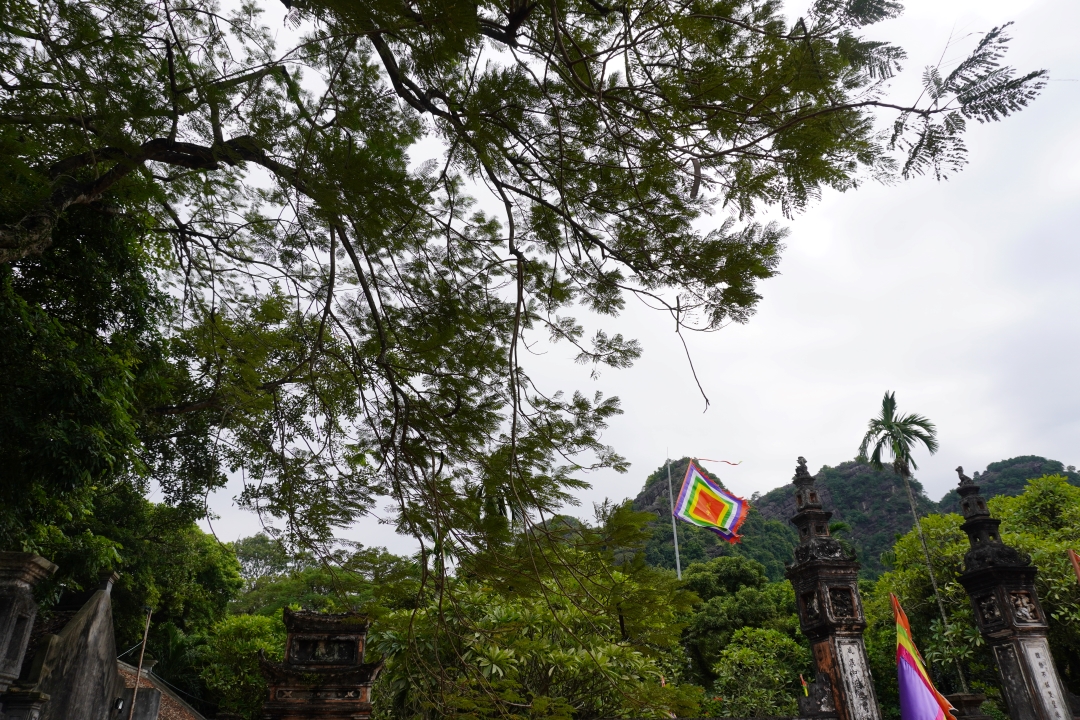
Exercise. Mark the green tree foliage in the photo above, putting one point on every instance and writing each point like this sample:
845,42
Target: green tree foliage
598,633
167,563
910,582
351,578
1043,521
898,436
349,322
490,655
736,595
213,658
66,394
187,577
229,661
261,556
757,675
766,540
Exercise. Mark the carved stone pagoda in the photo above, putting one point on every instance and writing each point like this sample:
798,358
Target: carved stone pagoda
825,578
1001,583
324,674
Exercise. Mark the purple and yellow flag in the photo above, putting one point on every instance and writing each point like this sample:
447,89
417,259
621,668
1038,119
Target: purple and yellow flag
919,699
704,503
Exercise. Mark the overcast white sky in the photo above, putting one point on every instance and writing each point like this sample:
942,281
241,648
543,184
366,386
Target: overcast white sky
961,296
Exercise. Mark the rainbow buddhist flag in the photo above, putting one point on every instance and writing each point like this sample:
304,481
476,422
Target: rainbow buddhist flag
919,699
704,503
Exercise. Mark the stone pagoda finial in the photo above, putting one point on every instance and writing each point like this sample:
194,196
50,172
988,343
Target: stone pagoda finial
811,519
982,530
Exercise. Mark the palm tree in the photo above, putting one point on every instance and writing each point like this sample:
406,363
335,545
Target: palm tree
899,435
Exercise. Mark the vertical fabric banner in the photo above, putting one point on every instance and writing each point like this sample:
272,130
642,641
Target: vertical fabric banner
919,699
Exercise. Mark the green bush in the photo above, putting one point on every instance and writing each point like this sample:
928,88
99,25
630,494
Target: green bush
230,661
757,675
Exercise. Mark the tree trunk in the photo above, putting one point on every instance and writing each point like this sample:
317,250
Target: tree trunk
933,579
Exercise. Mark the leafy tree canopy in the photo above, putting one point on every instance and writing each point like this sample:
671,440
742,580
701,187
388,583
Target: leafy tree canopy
758,675
736,595
347,322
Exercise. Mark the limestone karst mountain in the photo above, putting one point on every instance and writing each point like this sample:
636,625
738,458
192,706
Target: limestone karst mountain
871,503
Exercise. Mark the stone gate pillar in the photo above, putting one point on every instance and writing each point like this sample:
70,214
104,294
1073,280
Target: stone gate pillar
19,573
825,578
1001,583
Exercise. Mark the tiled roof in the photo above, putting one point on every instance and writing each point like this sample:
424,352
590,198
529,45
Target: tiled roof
172,707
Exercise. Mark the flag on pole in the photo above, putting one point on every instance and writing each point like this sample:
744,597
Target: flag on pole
704,503
919,699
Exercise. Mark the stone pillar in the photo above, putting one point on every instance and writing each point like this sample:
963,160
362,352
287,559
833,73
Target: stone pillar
1001,583
19,573
825,578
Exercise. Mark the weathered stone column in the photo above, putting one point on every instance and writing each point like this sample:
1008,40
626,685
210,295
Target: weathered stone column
19,573
1001,583
825,578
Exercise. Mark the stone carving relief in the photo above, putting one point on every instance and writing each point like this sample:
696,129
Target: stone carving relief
361,693
988,609
322,650
994,555
819,548
842,601
1024,609
813,611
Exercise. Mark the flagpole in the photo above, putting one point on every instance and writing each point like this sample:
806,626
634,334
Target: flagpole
674,532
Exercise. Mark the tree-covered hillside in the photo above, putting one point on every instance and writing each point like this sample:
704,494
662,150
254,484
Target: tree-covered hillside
1010,477
870,502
